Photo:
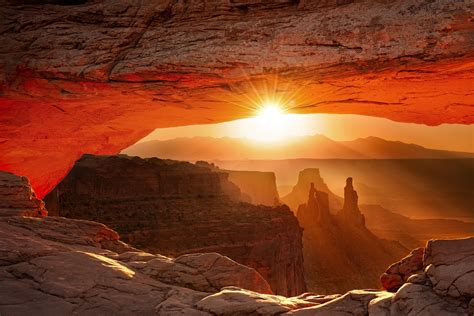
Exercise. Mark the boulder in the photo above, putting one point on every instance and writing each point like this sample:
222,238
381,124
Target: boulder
398,273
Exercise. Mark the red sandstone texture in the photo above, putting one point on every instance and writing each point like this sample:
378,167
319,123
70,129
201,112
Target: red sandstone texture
17,198
98,76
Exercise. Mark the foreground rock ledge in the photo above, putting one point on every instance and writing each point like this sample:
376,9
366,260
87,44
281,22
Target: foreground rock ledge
59,266
97,76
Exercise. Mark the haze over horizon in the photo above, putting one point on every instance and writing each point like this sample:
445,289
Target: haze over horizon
452,137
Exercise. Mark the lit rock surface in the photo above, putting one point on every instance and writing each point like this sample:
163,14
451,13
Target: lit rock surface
99,75
398,273
174,208
17,198
64,266
450,267
59,266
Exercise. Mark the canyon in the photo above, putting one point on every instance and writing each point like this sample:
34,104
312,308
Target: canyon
340,253
385,223
415,188
175,208
87,230
109,72
55,265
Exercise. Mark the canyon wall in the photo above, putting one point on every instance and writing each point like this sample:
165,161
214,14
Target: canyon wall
173,208
56,266
259,186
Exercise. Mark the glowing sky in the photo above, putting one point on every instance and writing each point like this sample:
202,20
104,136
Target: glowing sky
276,127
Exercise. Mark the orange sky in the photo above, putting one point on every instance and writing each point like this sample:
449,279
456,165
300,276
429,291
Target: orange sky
338,127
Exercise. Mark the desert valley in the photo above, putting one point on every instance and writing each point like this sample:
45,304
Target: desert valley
237,157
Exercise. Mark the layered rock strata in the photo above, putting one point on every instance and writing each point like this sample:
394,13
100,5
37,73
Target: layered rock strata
17,198
174,208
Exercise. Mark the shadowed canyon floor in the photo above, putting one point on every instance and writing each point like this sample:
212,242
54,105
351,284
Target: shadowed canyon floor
58,266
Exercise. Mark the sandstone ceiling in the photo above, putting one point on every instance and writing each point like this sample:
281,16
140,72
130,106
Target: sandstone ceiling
95,76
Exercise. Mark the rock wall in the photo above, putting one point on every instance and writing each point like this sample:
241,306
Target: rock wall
174,208
60,266
259,186
17,198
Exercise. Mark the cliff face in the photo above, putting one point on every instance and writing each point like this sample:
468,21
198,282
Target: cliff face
174,208
17,198
339,251
55,265
259,186
299,193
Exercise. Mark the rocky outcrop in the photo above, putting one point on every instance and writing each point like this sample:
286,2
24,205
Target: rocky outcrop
340,253
350,211
103,74
398,273
59,266
315,211
445,285
174,208
63,266
17,198
259,186
299,193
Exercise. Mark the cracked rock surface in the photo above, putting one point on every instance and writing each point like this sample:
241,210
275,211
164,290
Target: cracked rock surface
59,266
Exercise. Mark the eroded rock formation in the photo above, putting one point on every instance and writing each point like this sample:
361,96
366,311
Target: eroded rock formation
259,186
299,193
97,76
350,211
340,253
54,265
64,266
17,198
174,208
315,211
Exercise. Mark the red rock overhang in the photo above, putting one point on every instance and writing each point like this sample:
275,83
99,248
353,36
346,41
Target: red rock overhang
99,76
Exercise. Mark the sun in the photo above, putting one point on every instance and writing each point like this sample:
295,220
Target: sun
271,112
271,123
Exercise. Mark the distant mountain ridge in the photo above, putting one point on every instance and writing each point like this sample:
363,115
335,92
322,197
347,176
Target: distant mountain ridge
315,147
